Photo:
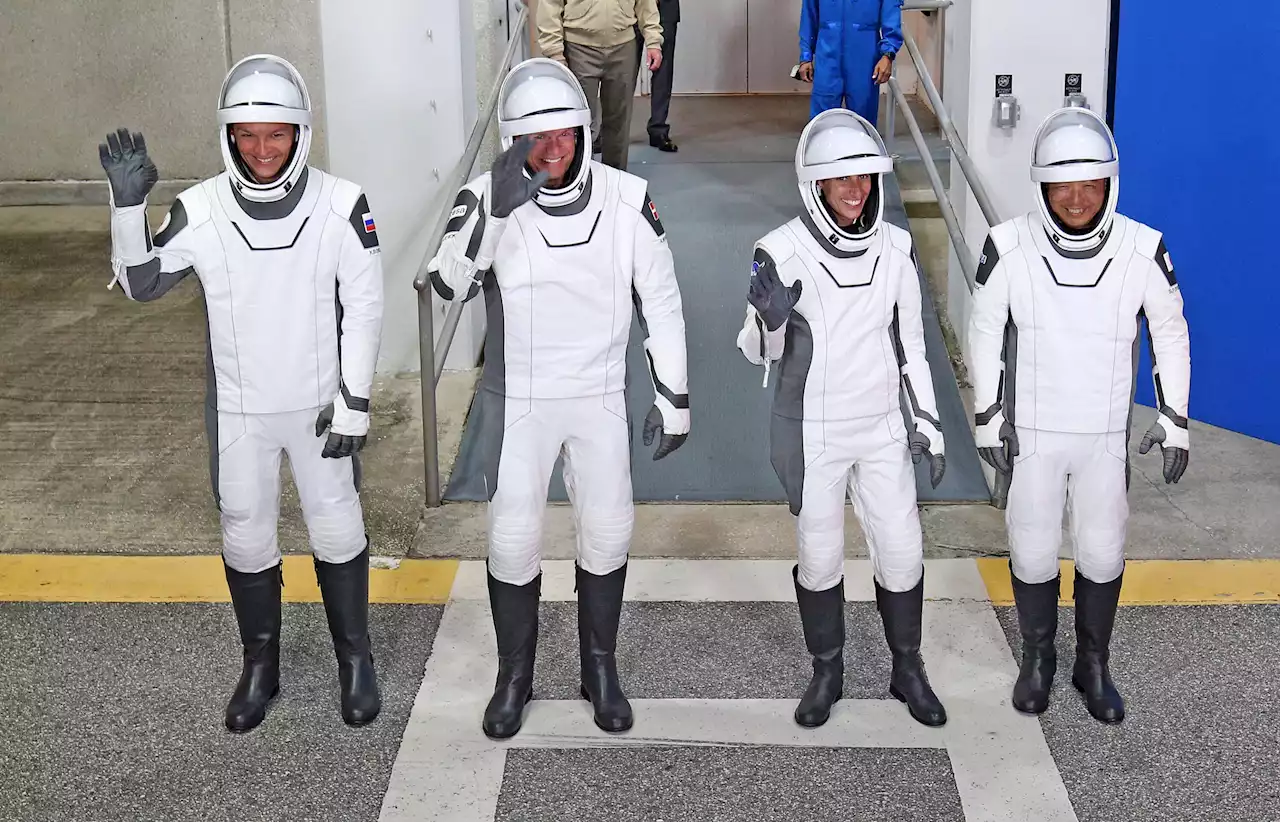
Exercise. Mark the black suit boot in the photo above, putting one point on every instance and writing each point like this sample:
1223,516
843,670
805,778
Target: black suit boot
1096,605
902,614
822,616
515,621
599,609
256,601
1038,624
345,590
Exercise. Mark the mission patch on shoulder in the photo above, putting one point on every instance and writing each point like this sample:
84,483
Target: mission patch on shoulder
988,262
1165,263
362,222
650,212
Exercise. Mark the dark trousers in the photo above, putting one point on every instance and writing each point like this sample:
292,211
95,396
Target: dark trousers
660,84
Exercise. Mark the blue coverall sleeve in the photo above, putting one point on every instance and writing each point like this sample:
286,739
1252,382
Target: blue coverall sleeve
890,26
808,29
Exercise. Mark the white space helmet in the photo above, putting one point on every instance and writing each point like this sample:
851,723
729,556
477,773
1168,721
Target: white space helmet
543,95
839,143
264,88
1071,145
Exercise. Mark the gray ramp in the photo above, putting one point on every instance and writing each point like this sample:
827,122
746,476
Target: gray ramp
714,213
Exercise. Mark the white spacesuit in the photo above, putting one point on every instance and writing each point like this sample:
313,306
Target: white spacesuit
838,307
1054,356
561,269
291,275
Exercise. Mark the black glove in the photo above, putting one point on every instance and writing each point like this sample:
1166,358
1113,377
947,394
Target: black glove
920,449
1175,458
769,297
338,445
668,442
129,170
511,188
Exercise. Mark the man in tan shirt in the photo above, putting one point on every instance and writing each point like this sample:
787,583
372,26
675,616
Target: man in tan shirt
596,40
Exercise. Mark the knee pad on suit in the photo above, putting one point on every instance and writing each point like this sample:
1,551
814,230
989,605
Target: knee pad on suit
514,549
605,540
821,558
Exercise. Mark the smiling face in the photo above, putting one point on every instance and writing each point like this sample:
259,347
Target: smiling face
553,153
1077,204
264,147
846,196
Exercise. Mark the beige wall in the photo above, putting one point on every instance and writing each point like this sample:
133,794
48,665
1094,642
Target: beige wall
72,71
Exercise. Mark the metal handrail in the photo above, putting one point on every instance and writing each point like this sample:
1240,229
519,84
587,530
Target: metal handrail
999,482
432,361
949,131
967,261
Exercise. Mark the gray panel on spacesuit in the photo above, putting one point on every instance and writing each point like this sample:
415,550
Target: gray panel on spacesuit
475,473
273,209
786,423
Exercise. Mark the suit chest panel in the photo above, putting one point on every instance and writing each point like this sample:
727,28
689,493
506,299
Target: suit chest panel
1073,298
264,265
851,297
559,260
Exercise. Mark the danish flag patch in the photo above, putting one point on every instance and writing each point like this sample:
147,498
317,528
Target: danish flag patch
653,209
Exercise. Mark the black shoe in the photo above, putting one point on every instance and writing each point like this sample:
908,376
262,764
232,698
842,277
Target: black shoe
1095,617
1038,624
345,590
515,621
663,143
599,609
822,617
902,614
256,601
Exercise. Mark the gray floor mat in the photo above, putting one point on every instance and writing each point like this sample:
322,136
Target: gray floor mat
714,213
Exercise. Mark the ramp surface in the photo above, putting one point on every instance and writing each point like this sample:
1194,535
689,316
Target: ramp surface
714,208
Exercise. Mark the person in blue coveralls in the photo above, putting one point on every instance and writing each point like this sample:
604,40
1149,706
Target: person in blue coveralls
847,48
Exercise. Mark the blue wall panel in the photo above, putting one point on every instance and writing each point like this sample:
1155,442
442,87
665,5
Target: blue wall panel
1197,119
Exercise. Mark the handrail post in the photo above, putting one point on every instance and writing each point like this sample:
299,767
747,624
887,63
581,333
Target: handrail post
430,437
431,362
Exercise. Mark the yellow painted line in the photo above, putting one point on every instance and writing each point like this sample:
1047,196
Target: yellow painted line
76,578
1163,582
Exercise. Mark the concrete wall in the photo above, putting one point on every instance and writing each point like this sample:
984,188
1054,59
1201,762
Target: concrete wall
1038,43
393,73
74,71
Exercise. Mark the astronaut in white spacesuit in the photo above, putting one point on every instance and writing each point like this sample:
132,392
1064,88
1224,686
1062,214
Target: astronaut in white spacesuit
1061,295
562,248
835,301
287,259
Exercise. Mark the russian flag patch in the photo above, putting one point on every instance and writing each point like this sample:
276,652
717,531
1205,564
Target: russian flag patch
369,227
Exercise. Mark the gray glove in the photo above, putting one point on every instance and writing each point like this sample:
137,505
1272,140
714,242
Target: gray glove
937,462
996,438
769,297
130,171
1175,458
1001,457
337,445
511,188
668,442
